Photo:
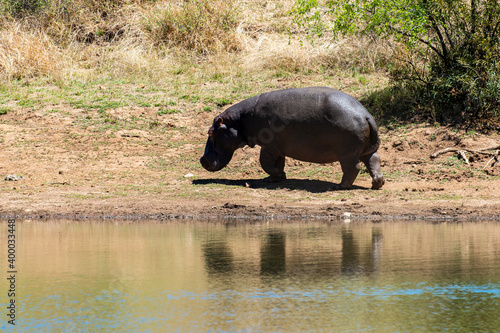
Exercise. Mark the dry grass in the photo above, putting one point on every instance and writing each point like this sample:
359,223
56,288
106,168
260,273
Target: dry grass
273,52
276,53
27,53
361,54
130,39
203,26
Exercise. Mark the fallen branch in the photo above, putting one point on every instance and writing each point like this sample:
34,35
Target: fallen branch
490,148
477,151
491,159
458,150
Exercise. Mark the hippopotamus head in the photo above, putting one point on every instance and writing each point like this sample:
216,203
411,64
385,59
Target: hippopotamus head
223,140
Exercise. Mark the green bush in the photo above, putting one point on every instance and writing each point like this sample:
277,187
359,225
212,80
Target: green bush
466,95
446,51
21,8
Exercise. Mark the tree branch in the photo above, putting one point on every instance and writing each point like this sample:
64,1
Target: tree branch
495,30
452,44
444,55
429,44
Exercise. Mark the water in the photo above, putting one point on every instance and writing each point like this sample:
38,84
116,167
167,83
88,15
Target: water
83,276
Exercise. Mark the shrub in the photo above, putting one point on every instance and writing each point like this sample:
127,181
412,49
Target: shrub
446,51
203,26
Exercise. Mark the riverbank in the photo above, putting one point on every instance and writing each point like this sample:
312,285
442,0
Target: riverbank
71,170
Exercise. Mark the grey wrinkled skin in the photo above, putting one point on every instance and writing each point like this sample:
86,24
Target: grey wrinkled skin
318,125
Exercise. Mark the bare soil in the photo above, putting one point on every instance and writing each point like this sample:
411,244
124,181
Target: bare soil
74,167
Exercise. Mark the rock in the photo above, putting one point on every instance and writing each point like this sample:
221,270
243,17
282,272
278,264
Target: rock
188,175
13,178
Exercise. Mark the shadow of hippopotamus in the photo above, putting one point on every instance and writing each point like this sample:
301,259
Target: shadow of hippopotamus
312,186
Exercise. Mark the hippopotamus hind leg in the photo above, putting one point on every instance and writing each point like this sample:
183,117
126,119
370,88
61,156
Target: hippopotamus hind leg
350,168
372,162
273,164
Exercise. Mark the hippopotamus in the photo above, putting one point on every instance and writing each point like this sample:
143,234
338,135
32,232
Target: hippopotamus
317,124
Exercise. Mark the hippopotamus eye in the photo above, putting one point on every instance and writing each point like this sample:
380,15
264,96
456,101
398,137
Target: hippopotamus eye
212,129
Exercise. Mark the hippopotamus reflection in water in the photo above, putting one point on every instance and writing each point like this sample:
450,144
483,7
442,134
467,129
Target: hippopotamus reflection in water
318,125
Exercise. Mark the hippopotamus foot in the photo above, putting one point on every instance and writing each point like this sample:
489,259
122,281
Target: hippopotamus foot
372,162
378,182
275,178
336,187
272,164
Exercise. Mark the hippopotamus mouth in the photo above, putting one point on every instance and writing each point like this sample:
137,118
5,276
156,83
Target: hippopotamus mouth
215,157
214,163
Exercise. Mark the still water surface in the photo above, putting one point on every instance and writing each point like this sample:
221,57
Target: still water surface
83,276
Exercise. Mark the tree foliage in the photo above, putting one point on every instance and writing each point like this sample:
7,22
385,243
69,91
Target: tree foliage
450,48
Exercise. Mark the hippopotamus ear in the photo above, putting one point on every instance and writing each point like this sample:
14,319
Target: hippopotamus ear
218,123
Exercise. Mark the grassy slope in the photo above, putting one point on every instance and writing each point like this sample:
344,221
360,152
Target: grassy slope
55,67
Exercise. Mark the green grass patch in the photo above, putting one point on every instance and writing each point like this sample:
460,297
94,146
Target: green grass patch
161,112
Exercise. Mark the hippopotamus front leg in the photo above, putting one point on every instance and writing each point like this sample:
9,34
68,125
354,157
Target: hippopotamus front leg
273,164
372,162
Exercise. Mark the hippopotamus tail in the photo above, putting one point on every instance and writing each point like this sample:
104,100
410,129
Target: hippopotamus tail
374,143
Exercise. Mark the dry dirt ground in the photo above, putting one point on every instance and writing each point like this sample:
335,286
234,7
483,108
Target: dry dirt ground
134,164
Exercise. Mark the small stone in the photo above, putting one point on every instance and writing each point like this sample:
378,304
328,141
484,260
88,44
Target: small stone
188,175
13,178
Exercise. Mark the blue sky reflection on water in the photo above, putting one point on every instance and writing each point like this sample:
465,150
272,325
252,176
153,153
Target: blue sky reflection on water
257,277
